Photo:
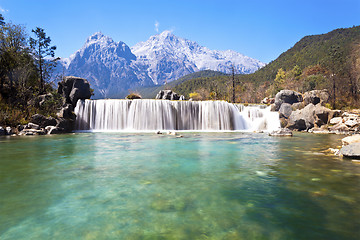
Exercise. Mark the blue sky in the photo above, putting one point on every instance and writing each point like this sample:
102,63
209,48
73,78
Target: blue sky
259,29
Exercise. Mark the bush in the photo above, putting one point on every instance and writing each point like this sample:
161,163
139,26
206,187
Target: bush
133,96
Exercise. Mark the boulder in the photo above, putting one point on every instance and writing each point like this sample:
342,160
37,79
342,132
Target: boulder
43,121
73,89
351,150
283,132
336,120
30,132
2,131
339,128
167,95
287,96
316,96
308,117
32,126
8,131
285,110
303,119
322,115
350,139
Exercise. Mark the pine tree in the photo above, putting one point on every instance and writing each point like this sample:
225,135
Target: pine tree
41,50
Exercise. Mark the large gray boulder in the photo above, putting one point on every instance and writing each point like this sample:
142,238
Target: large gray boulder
351,150
285,110
73,89
287,96
316,96
308,117
302,119
169,95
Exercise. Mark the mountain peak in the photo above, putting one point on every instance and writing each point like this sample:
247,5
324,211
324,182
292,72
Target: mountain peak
98,37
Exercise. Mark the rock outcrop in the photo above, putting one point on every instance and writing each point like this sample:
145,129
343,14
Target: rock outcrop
169,95
73,89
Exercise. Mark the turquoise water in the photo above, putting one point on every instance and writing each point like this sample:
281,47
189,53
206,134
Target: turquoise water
201,186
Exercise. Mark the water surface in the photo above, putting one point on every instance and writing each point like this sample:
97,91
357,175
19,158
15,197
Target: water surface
201,186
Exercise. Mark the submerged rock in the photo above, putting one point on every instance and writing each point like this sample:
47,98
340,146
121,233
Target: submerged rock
283,132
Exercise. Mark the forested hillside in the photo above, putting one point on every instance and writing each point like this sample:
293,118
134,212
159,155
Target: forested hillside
329,61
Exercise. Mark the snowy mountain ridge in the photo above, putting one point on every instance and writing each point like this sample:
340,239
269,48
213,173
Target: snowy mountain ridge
113,68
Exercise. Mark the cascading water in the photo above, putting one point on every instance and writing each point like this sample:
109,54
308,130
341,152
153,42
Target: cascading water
146,114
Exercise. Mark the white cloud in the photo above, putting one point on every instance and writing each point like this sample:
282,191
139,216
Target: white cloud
157,24
3,10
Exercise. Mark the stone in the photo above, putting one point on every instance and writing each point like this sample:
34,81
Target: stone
167,95
316,96
322,115
8,131
74,88
283,132
350,139
287,96
2,131
30,132
339,128
302,119
32,126
285,110
268,100
43,121
351,123
336,120
317,130
351,150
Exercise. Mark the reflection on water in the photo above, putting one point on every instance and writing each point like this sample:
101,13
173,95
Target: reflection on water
201,186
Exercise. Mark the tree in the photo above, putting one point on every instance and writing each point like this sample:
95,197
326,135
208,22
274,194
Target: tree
2,20
41,48
13,51
279,79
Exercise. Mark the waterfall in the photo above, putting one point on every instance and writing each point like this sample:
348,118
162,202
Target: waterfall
146,114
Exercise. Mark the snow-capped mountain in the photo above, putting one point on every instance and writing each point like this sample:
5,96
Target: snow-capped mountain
168,57
112,68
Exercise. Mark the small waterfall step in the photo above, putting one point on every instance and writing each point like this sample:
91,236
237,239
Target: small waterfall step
148,114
